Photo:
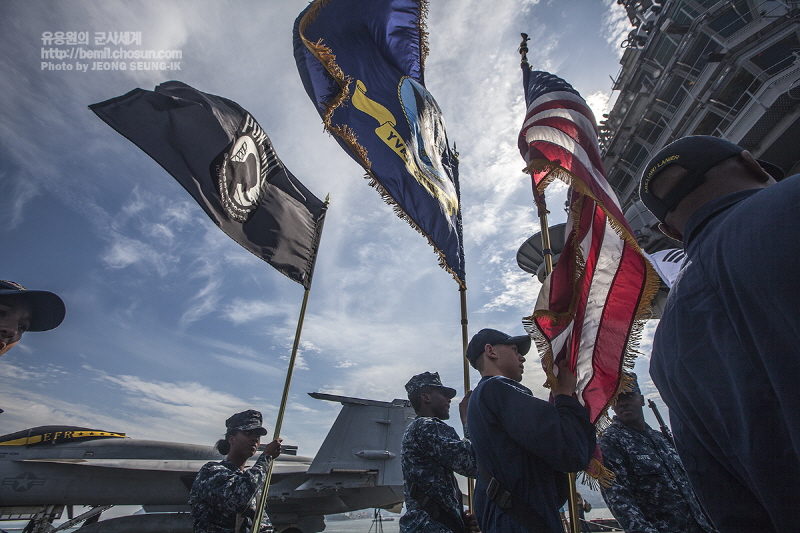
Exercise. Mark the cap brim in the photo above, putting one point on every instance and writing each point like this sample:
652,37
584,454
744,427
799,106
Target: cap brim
773,170
523,343
47,308
448,392
261,430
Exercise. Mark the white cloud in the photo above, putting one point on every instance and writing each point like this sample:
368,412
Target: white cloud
242,311
250,365
135,205
187,411
172,398
180,213
599,104
9,370
299,361
22,193
203,303
124,252
519,291
616,25
230,347
160,232
300,408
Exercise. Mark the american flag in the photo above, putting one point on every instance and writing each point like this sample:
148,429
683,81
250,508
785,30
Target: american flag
592,308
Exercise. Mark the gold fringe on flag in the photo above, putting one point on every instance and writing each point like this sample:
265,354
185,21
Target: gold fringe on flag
327,59
596,472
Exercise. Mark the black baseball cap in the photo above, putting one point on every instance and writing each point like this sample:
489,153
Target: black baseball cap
47,309
698,154
492,336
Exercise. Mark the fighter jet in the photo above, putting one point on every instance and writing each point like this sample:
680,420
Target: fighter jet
48,469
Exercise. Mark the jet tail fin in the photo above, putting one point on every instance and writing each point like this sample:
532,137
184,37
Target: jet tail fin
365,437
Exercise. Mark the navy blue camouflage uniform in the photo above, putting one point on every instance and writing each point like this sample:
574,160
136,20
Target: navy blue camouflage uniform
651,492
222,494
431,451
221,491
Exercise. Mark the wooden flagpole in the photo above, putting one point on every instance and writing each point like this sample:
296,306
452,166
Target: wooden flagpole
547,252
262,502
465,342
541,206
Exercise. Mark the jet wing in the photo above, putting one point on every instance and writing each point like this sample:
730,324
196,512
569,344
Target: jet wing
280,468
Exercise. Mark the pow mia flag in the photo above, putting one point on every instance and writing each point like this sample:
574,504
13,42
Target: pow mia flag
221,156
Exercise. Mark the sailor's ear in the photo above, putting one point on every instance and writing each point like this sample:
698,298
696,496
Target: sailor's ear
488,351
752,165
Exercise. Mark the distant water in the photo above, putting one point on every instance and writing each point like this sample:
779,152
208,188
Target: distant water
363,525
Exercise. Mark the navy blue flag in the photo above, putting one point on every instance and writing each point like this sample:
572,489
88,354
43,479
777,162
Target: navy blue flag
217,151
362,64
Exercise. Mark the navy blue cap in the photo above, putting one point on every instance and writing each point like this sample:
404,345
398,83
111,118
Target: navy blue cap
492,336
47,309
428,379
633,383
246,421
698,154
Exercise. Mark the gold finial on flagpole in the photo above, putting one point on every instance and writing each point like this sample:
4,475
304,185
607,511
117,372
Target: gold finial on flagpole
523,50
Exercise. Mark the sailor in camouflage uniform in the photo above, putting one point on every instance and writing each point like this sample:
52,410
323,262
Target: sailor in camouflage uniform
431,452
224,495
651,492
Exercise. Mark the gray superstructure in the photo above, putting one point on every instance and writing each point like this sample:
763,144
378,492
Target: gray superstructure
702,67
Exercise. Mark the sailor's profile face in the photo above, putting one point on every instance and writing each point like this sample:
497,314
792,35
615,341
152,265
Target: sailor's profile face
245,443
440,404
15,319
509,361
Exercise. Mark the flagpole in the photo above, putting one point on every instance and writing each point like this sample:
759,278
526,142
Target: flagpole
265,489
547,252
548,266
465,342
262,502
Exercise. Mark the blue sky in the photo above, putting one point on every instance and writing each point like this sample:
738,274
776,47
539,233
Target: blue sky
171,326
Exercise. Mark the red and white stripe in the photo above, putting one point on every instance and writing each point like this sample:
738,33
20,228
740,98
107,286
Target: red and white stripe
586,317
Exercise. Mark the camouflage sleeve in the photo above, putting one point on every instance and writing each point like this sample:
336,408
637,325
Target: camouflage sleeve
441,442
619,496
232,491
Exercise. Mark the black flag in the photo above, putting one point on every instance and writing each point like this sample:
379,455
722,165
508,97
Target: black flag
223,158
